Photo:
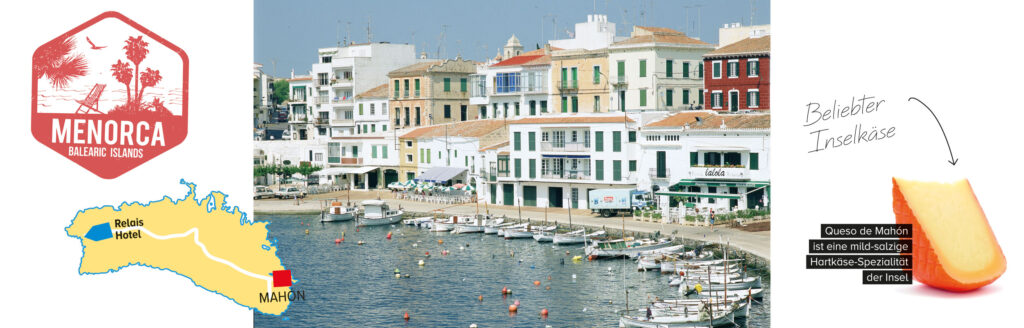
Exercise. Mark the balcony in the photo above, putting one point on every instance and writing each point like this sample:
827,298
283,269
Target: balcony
343,102
719,172
566,174
297,118
655,177
343,122
503,174
322,121
568,85
620,82
351,161
341,83
564,146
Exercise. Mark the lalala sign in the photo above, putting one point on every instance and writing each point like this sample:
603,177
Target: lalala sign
109,95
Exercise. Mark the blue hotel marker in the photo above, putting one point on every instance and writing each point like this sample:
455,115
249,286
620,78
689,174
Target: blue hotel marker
99,232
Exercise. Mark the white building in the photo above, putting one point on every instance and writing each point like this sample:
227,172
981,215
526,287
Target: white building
300,100
730,33
553,161
707,161
455,150
596,33
656,69
371,113
341,73
262,101
515,86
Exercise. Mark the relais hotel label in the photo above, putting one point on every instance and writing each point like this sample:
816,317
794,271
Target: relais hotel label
109,95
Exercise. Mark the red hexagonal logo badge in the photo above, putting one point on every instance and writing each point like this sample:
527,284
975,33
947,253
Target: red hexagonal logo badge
109,95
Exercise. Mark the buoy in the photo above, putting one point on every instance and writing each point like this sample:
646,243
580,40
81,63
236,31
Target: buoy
337,241
573,276
398,275
544,312
548,287
406,316
513,308
343,238
389,235
566,252
427,253
577,258
439,241
536,282
516,303
422,263
504,290
360,242
549,277
480,298
591,258
357,229
413,244
472,325
307,231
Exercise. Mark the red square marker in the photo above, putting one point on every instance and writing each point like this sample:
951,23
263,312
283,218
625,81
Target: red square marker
282,278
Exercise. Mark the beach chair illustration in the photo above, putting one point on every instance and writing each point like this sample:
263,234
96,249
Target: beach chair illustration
92,101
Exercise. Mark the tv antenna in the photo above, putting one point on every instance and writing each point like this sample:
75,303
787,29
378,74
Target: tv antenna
440,41
369,30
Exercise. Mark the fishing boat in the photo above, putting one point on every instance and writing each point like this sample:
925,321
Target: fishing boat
544,237
744,283
674,320
335,211
377,212
503,230
622,247
651,262
468,225
417,221
518,233
658,251
739,306
498,224
575,237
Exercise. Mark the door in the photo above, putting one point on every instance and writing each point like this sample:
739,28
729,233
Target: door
554,196
507,193
494,193
463,113
530,195
754,199
734,99
574,197
371,180
661,171
390,176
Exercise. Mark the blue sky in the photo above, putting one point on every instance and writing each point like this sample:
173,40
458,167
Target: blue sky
287,33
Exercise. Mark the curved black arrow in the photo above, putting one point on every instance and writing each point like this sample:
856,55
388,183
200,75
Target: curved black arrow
952,160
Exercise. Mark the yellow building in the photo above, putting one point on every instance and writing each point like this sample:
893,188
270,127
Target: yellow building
580,81
431,93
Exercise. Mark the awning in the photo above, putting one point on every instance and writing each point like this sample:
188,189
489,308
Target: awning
440,174
346,170
712,183
564,156
697,194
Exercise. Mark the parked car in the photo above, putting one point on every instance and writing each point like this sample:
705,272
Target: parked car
260,192
289,192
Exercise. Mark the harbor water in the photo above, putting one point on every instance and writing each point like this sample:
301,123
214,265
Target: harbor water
352,285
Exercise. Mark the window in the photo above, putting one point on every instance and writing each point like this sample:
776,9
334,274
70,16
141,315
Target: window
384,152
643,97
506,82
463,113
428,156
754,163
417,95
516,141
716,99
505,109
734,69
325,60
519,171
447,111
516,105
396,89
409,176
693,158
421,155
408,143
597,74
533,168
533,107
716,70
686,96
574,71
700,96
617,170
597,104
372,111
383,127
406,84
668,68
668,98
447,84
753,98
565,104
632,136
373,151
321,79
616,141
672,137
333,152
753,67
686,69
643,68
632,165
532,141
700,70
599,141
408,158
483,111
575,104
373,128
463,85
360,109
543,106
599,170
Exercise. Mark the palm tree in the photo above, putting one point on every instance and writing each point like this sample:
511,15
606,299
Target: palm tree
55,61
122,71
149,78
136,50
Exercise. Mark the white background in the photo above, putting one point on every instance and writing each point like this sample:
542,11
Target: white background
960,59
43,190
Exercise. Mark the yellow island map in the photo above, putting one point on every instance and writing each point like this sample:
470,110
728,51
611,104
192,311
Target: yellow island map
215,246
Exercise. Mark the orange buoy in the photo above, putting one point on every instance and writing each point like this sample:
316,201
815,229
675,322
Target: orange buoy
428,253
536,282
337,241
406,316
547,287
544,312
389,235
513,308
504,290
591,258
440,241
480,298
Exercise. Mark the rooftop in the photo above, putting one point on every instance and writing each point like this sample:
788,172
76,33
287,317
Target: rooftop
533,57
759,45
650,34
572,119
711,120
380,91
474,129
414,69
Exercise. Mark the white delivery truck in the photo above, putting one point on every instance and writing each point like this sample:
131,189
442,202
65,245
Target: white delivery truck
610,202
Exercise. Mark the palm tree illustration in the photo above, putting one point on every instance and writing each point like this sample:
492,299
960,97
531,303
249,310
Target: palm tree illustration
136,49
55,61
122,71
149,78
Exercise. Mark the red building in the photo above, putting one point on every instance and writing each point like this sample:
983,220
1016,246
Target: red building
736,76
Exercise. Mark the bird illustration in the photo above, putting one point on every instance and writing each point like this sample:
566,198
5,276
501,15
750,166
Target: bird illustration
94,47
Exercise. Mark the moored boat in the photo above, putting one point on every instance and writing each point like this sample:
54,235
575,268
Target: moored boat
336,212
377,212
620,247
674,320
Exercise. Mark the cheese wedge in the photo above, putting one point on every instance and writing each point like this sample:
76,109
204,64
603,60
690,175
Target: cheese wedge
954,247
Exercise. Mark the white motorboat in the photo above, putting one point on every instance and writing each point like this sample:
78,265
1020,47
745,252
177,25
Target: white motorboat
575,237
493,228
652,262
337,212
739,306
441,226
703,278
503,230
468,225
658,251
543,237
677,320
518,233
417,221
377,212
743,283
620,247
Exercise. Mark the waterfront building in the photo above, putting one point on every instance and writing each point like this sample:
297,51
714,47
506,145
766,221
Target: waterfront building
737,75
448,153
431,92
553,161
371,112
580,77
657,68
262,96
300,101
707,161
516,86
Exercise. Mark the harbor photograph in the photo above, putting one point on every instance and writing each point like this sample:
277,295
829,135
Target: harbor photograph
529,164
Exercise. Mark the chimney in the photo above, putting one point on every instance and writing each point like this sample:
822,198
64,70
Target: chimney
547,48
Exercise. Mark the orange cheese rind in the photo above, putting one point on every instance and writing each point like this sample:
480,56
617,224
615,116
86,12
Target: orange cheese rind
930,266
